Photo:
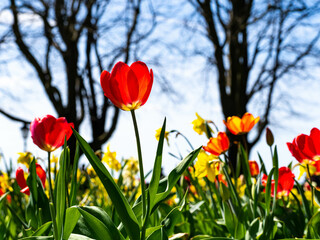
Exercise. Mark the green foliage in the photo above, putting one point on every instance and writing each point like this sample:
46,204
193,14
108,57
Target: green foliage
89,204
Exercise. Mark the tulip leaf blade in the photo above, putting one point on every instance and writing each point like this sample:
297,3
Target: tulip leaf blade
91,212
72,217
61,191
42,229
120,203
167,183
100,223
268,191
32,180
74,183
245,164
156,173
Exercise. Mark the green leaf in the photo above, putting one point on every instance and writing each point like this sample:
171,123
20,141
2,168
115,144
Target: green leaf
167,183
43,203
245,166
98,229
120,203
32,180
173,217
151,230
155,179
262,168
43,229
158,235
229,218
255,229
276,176
61,191
305,202
231,186
314,225
72,217
100,214
268,191
240,230
74,184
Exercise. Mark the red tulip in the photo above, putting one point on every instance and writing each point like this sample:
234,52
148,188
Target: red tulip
48,133
22,181
218,145
305,147
285,182
254,168
128,88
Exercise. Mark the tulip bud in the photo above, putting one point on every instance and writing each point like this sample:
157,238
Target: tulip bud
269,137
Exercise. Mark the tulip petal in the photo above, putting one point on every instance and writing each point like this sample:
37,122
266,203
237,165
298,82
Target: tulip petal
57,132
48,133
286,180
247,122
305,145
315,136
104,81
234,125
145,77
20,178
41,173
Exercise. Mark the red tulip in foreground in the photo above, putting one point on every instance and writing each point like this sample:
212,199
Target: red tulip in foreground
285,182
128,88
48,133
22,181
305,147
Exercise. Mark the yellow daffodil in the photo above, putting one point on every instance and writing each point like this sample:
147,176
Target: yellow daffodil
132,165
308,195
207,165
25,158
54,159
91,171
166,134
241,186
110,159
303,168
5,182
199,125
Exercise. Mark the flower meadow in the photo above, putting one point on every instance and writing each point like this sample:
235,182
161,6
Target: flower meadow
203,197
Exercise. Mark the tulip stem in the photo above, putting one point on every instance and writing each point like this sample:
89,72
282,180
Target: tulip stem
49,178
143,186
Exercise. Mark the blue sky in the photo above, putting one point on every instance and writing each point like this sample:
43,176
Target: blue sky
22,95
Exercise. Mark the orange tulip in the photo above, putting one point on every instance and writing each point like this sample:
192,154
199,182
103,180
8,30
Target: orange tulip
128,88
242,125
218,145
254,168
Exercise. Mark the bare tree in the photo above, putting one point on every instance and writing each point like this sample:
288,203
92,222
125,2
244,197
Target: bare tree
75,40
253,44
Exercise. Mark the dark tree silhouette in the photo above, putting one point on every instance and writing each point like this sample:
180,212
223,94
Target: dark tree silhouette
75,40
253,44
